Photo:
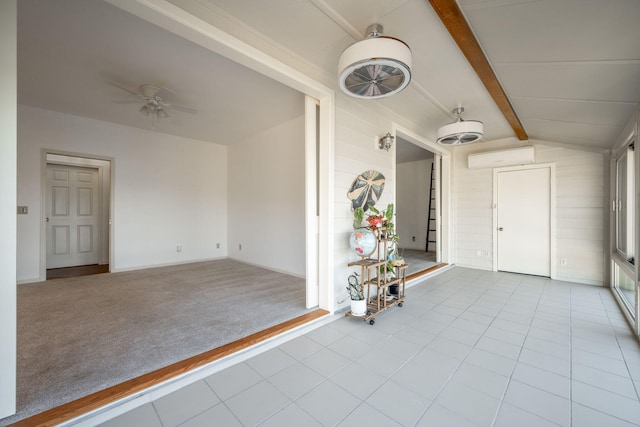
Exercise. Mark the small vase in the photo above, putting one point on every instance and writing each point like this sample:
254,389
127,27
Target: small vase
358,308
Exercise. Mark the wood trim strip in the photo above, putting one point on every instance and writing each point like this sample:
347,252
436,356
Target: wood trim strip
425,272
109,395
455,22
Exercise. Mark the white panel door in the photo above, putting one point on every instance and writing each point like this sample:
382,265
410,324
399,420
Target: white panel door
524,221
72,216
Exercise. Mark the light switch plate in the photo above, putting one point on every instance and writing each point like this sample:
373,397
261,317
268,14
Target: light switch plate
23,210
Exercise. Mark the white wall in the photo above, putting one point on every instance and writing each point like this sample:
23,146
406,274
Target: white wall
357,134
267,198
8,112
412,202
167,190
581,184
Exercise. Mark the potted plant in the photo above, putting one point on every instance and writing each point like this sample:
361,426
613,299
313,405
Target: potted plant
356,293
358,216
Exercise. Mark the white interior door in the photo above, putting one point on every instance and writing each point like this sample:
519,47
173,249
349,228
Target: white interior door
73,213
524,221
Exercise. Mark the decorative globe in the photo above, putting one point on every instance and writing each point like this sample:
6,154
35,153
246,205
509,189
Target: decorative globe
363,242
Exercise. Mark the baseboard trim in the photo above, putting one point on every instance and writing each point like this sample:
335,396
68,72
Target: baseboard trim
425,272
115,269
112,394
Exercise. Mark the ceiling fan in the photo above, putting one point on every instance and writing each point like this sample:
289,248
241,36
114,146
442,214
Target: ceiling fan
153,103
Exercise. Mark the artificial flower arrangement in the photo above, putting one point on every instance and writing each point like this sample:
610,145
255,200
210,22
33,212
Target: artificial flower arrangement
382,218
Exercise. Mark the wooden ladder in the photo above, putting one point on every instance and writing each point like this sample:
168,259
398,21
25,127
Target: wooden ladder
431,215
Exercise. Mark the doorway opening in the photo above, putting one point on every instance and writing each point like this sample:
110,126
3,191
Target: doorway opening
77,215
418,205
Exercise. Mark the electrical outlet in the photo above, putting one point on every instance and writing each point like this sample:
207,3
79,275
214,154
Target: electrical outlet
413,238
240,247
217,245
179,248
478,253
487,254
563,261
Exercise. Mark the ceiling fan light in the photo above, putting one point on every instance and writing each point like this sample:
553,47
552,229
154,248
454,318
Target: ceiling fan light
376,67
461,131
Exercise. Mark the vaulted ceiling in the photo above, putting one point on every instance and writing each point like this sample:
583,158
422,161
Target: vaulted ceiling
569,68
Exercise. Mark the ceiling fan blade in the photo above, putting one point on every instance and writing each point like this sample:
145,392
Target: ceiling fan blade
182,108
151,91
126,101
123,88
163,91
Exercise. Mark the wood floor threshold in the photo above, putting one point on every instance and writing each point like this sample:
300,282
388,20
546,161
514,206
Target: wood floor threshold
425,272
109,395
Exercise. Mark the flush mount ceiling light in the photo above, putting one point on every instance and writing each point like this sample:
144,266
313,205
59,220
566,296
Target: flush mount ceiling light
375,67
461,131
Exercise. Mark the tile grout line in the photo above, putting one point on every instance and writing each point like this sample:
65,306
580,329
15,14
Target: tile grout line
571,356
465,358
495,418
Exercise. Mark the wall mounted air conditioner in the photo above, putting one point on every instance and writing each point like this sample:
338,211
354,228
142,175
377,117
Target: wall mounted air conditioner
497,159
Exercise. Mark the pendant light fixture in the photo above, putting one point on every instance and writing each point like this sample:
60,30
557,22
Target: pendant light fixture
375,67
461,131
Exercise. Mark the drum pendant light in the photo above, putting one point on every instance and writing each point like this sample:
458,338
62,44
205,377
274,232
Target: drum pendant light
461,131
375,67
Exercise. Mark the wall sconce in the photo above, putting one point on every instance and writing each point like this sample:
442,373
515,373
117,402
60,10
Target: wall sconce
386,142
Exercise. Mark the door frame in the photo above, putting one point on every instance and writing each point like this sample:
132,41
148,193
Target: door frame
312,140
105,166
552,211
208,34
443,188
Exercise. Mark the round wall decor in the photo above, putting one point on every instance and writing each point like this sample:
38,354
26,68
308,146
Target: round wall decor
366,189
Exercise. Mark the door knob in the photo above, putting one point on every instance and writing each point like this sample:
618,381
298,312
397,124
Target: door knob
500,229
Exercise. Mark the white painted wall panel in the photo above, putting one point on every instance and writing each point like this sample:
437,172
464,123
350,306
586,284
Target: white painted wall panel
472,223
356,135
580,211
8,154
168,190
413,206
267,198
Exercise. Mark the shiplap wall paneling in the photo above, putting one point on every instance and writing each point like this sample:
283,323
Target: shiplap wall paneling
356,152
580,210
473,234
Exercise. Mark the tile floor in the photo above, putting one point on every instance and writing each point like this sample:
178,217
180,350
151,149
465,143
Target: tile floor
469,348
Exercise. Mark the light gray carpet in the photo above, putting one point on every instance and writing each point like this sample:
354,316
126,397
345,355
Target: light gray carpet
417,259
80,335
